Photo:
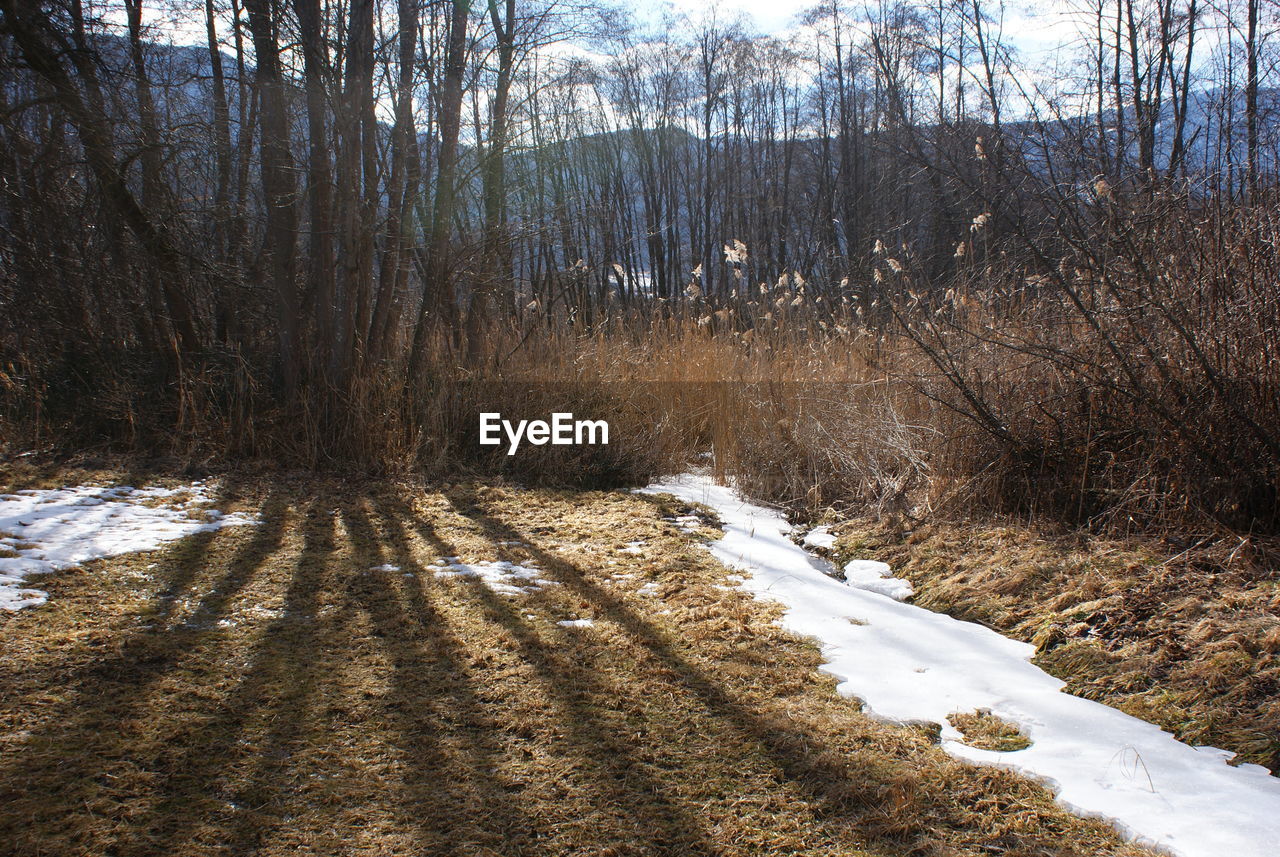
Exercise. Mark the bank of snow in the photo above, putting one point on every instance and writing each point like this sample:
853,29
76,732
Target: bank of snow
909,664
49,530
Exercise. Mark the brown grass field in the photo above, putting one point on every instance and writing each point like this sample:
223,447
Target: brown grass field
263,690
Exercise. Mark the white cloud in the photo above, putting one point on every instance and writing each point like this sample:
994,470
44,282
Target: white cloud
769,16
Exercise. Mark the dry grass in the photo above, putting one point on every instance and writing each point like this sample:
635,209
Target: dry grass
266,691
986,731
1185,636
1110,363
1056,395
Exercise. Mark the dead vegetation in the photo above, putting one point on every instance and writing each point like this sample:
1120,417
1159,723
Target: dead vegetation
1063,396
309,685
1185,636
986,731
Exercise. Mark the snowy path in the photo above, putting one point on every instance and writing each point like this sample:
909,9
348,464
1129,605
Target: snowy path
46,531
909,664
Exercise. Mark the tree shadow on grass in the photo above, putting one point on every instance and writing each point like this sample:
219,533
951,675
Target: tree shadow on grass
236,763
618,781
361,716
450,792
86,759
260,746
841,793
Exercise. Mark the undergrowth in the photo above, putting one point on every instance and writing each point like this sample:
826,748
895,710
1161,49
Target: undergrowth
1132,385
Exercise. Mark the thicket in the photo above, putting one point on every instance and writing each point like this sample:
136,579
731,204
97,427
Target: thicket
862,287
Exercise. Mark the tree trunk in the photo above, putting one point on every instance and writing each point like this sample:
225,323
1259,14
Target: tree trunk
495,280
320,279
405,177
439,304
1251,98
278,188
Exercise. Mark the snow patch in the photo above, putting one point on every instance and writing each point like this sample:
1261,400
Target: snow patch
909,664
875,576
503,577
685,523
820,537
254,612
577,623
43,531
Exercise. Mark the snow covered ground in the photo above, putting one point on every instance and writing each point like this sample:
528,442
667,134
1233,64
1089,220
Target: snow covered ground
909,664
46,531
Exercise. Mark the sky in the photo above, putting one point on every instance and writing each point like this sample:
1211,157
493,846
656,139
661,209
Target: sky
1042,33
1035,28
1038,30
771,16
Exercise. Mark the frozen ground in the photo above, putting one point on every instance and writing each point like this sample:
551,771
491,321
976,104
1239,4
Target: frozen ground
49,530
909,664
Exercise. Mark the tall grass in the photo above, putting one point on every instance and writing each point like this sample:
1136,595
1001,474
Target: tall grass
1129,380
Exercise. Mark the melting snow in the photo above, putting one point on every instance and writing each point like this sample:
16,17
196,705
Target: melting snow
875,577
59,528
501,576
907,663
686,523
577,623
820,537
